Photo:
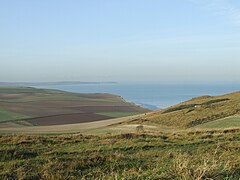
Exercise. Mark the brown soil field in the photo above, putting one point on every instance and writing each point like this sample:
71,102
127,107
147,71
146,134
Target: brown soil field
38,110
46,107
109,109
67,119
99,96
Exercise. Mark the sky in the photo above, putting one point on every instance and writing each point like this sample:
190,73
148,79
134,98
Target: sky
165,41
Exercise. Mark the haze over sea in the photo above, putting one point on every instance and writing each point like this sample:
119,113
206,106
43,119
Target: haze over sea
153,96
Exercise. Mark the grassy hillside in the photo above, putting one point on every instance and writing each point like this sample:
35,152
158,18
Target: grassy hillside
228,122
183,155
53,107
195,111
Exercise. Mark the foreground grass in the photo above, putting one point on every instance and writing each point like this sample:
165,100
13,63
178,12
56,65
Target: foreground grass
183,155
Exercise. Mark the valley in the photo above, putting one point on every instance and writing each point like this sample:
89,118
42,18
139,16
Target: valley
196,139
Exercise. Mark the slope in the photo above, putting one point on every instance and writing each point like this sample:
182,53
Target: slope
196,111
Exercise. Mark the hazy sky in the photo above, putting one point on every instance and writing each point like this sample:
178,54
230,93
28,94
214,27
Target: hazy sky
120,40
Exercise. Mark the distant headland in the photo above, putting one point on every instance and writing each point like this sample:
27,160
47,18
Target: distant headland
53,83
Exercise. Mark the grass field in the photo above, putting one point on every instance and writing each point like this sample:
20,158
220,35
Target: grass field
179,155
229,122
10,116
195,112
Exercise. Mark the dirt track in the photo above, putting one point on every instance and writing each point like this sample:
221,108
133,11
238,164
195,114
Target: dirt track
68,128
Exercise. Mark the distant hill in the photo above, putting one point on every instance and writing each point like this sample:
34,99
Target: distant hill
196,111
51,83
28,106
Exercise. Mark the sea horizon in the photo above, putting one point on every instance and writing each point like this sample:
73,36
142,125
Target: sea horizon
150,95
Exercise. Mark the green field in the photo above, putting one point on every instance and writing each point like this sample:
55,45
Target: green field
183,155
229,122
10,116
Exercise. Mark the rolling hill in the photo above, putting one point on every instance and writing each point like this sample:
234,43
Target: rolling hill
172,145
26,106
196,112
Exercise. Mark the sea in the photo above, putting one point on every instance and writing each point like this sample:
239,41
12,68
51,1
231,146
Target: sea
152,96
